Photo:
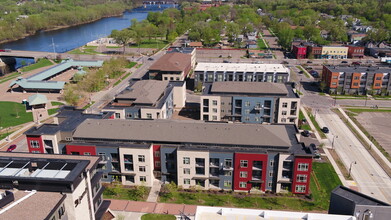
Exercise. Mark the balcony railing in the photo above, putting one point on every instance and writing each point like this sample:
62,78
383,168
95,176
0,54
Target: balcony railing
227,168
213,164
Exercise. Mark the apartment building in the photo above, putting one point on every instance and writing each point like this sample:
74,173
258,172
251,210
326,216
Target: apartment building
197,154
44,186
334,52
357,79
185,50
241,72
355,51
171,67
249,102
148,99
299,51
48,138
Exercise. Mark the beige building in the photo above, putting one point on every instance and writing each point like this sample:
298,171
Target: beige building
334,52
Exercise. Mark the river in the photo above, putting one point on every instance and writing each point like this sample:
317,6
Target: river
67,39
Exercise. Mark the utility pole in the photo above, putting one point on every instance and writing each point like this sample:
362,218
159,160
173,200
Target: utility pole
350,168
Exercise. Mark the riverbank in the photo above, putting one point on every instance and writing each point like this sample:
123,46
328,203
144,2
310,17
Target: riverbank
63,27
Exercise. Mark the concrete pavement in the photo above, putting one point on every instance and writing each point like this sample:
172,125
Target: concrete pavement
155,190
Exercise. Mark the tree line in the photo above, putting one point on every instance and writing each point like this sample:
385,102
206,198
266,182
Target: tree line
45,15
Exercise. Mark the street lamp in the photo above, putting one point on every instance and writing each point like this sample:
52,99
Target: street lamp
332,144
350,168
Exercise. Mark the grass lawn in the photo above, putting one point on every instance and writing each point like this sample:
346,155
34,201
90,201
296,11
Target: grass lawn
9,114
9,77
56,103
151,44
261,44
157,217
88,105
359,110
304,71
85,50
2,136
53,111
327,180
113,191
39,64
322,135
304,126
131,64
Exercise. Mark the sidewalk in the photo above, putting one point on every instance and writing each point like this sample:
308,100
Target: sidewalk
154,193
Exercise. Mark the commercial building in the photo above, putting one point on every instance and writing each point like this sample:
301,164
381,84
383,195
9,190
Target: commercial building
185,50
355,51
148,99
345,201
334,52
314,51
212,72
299,51
43,186
249,102
171,67
357,79
192,153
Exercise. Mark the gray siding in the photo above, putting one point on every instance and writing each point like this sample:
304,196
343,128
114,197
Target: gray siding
222,156
168,158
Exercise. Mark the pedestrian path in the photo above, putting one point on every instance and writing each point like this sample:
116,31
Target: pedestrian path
154,193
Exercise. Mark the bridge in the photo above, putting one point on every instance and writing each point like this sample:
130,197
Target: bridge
27,54
159,2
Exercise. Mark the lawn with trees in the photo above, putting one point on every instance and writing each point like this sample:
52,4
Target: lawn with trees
13,113
150,216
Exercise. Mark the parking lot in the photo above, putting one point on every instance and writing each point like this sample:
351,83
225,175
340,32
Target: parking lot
378,124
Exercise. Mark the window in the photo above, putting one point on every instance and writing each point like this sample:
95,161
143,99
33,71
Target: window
256,119
242,184
258,105
335,77
34,144
157,163
102,156
222,110
378,78
157,153
302,167
285,105
228,173
87,153
355,84
247,103
270,184
246,118
227,183
334,83
283,120
300,188
214,118
228,163
243,163
61,211
377,84
214,102
186,181
222,103
143,178
141,158
117,115
141,168
186,170
356,77
35,152
186,160
247,111
301,178
271,163
128,115
283,113
214,110
243,174
271,174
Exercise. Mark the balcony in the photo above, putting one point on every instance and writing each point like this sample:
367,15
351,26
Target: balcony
213,164
214,175
257,166
228,168
256,178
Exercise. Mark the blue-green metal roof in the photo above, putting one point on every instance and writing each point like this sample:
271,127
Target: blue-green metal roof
31,84
37,99
62,67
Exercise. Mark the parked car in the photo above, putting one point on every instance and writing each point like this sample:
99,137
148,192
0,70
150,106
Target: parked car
305,133
375,56
309,61
313,146
11,148
150,58
301,72
325,130
344,61
226,61
284,62
356,63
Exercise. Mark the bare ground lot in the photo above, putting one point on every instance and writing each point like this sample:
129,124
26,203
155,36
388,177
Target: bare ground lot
378,124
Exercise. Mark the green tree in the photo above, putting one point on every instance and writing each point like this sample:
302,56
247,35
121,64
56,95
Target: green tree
122,37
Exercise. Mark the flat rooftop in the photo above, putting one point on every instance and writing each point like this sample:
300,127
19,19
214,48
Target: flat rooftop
31,205
70,118
144,92
359,69
357,197
241,67
191,132
255,88
222,213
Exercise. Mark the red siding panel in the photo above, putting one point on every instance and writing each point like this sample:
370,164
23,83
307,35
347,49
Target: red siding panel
80,149
41,148
250,158
296,172
156,157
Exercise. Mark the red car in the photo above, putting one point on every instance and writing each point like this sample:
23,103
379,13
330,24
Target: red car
11,148
356,63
